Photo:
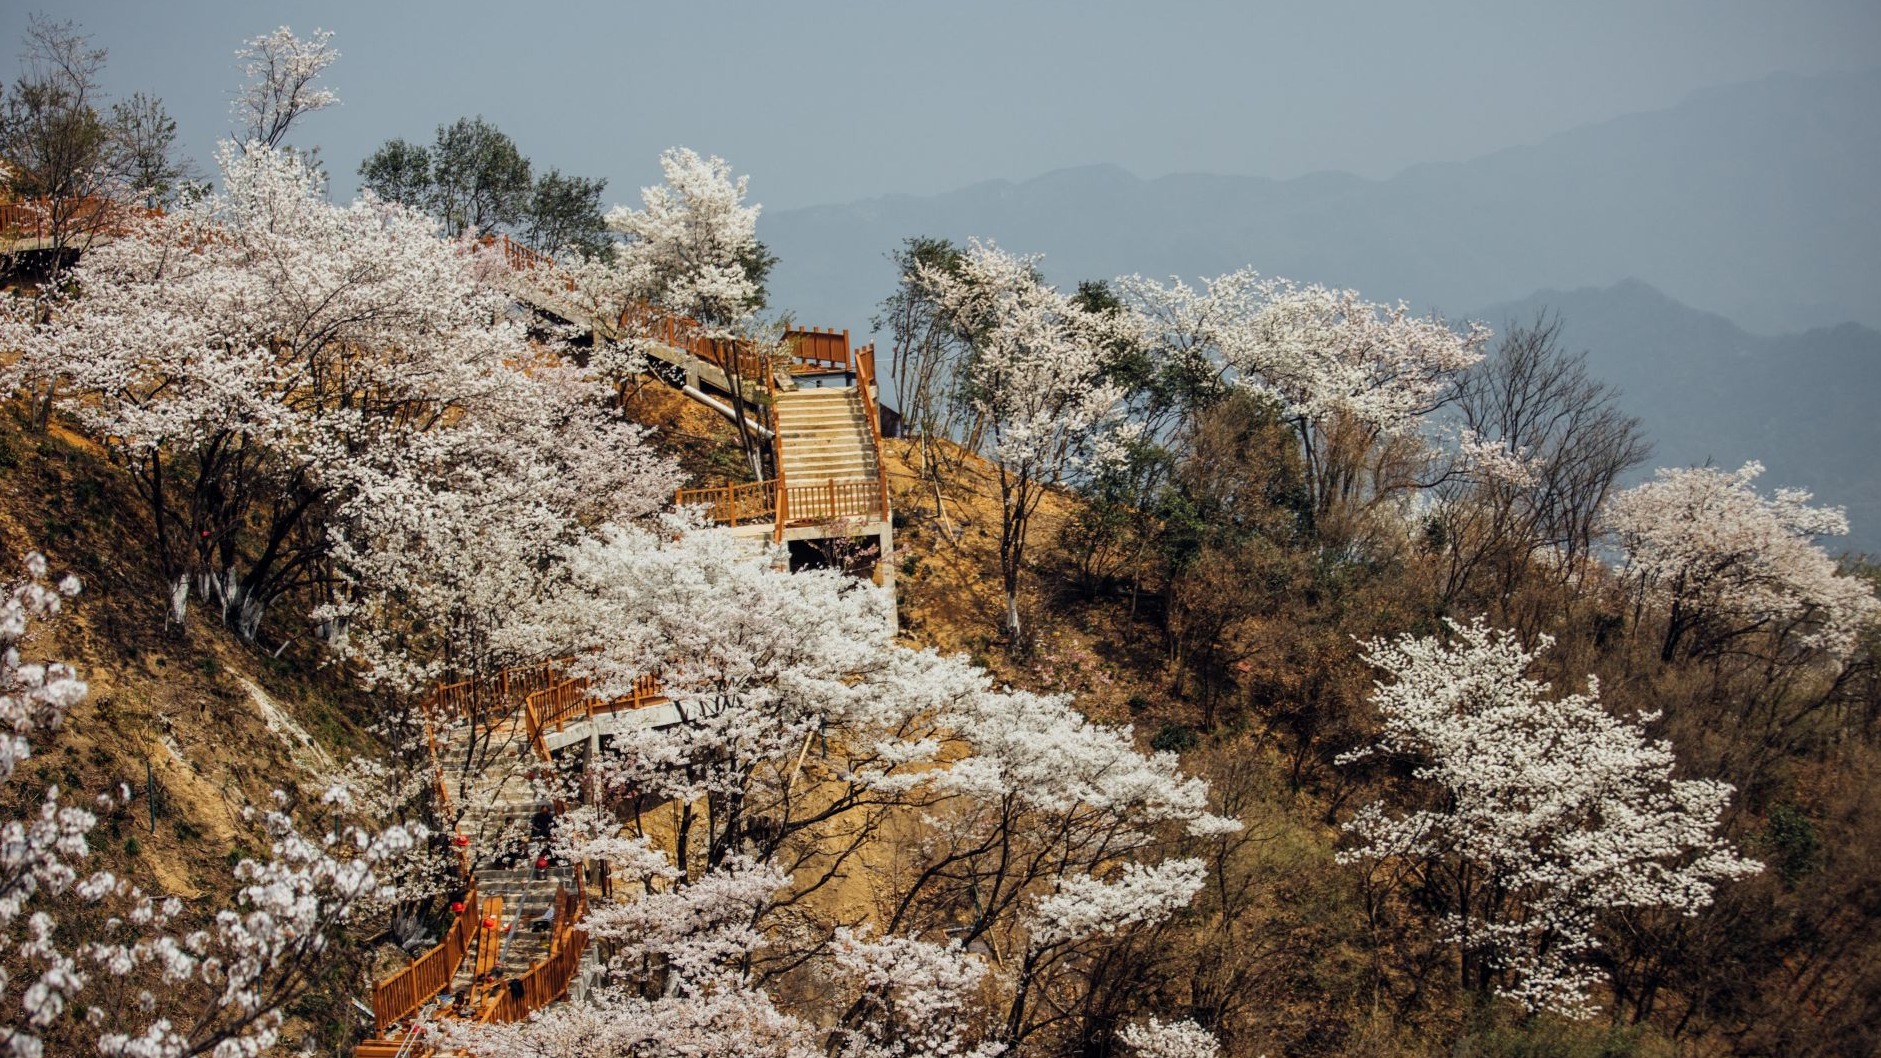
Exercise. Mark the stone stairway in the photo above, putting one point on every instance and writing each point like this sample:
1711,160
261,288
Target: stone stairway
823,437
501,803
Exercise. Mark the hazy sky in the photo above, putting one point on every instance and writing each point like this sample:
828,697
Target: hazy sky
829,102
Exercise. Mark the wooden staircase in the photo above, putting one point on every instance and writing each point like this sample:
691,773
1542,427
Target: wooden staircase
518,944
823,437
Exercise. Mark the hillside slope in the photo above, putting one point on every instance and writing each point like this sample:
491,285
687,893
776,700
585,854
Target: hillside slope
196,726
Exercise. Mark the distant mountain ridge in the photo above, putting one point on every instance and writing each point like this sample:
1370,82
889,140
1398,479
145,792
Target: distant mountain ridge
1708,391
1754,200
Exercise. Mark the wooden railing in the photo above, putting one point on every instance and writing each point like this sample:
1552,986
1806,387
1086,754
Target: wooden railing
402,993
832,500
549,979
751,501
521,258
791,504
553,707
871,410
489,938
36,218
492,698
816,349
546,982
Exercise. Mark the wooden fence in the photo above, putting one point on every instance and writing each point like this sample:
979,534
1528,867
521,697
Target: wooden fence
549,979
802,504
832,501
871,410
404,992
546,982
752,501
819,350
37,218
553,707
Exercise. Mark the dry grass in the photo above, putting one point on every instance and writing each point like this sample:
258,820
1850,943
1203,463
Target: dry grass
171,714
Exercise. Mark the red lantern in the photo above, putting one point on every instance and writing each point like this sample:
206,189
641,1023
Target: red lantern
489,923
457,907
542,863
461,840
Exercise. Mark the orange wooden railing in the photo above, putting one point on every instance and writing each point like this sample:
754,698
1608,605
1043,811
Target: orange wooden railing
490,699
402,993
790,504
871,410
546,982
832,500
541,695
751,501
489,938
553,707
819,350
549,979
33,219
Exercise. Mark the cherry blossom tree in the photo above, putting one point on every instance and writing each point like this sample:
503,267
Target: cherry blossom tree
1535,814
1036,377
1725,562
692,252
915,998
1170,1039
274,369
465,526
283,71
1354,378
692,249
802,732
722,1024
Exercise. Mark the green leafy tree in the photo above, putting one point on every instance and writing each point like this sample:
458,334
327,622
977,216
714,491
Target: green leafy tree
144,145
399,171
565,213
475,181
55,143
480,181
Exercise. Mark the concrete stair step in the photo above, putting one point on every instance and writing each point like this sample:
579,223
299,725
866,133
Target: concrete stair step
810,431
806,474
796,474
521,879
848,453
824,454
826,449
831,455
812,405
830,409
